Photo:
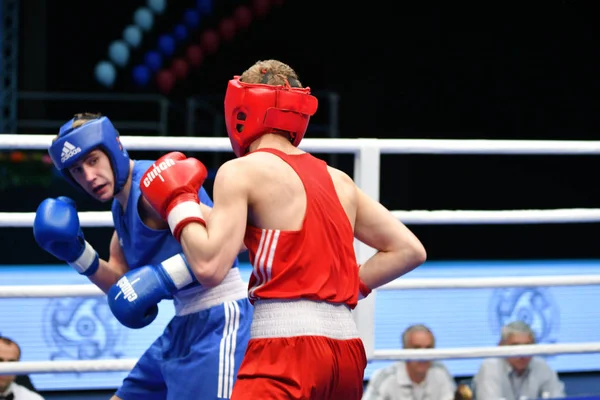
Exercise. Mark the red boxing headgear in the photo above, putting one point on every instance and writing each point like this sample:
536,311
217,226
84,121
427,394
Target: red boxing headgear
254,109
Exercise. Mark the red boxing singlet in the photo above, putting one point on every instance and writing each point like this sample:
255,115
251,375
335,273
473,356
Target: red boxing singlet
318,261
304,343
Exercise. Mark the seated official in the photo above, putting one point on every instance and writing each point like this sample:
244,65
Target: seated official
412,380
9,389
25,381
517,378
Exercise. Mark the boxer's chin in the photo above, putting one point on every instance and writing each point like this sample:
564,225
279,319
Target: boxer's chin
104,193
105,199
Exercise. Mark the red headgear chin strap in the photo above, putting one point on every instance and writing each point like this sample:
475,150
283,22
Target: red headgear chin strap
253,109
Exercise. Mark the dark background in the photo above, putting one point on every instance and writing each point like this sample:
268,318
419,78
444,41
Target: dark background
493,71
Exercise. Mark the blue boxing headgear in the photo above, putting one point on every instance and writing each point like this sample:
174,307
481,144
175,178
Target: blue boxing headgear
72,144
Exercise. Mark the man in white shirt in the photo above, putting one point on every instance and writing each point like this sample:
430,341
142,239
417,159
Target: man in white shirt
412,380
517,378
9,390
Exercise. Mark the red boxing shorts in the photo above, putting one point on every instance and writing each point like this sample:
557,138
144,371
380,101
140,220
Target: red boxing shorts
328,364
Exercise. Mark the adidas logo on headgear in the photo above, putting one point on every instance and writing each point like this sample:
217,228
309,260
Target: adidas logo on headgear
69,151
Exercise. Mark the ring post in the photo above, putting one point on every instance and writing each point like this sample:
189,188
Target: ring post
366,176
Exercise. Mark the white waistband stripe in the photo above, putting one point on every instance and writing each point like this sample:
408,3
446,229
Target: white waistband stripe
287,318
199,298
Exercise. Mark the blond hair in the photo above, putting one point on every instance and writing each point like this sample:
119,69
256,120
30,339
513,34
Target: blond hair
83,118
271,72
80,119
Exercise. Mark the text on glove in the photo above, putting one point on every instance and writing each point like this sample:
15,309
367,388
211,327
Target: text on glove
155,172
127,289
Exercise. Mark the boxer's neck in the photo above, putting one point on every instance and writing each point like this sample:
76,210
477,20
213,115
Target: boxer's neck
123,196
274,141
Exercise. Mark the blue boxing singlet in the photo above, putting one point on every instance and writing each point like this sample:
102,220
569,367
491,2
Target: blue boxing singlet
146,246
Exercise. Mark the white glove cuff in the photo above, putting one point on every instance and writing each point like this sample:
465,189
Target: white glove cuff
85,260
183,211
178,270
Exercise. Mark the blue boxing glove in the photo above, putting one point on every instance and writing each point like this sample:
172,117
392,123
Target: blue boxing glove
134,299
57,230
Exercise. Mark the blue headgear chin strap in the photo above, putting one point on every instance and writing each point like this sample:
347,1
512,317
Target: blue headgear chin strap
72,144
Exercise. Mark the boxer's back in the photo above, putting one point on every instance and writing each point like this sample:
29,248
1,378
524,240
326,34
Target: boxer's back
278,197
300,236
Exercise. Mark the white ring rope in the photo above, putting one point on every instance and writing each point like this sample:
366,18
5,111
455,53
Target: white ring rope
494,282
89,290
447,217
49,291
385,146
28,367
88,219
482,352
415,217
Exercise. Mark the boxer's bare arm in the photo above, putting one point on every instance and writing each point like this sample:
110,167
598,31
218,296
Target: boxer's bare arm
399,250
110,271
211,250
159,223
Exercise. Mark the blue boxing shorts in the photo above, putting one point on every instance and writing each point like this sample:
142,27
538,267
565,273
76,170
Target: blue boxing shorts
197,356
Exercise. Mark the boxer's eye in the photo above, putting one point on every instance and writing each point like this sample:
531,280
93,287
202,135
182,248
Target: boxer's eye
75,170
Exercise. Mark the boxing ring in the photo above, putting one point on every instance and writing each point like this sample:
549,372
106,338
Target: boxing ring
367,153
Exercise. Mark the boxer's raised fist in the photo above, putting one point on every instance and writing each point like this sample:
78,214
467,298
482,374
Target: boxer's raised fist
171,187
57,230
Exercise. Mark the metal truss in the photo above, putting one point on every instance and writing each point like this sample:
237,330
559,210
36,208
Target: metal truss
9,40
